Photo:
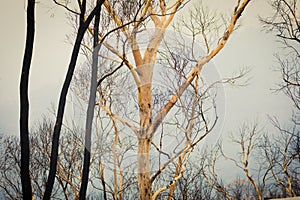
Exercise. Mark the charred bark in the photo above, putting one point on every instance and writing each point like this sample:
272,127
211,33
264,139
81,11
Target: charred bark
62,101
24,103
90,112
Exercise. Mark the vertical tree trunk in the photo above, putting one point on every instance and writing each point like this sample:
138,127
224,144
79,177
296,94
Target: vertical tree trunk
90,112
59,117
121,184
63,95
145,105
24,103
144,140
114,149
144,183
102,179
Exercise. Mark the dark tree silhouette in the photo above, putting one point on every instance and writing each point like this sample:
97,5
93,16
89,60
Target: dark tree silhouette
90,112
83,26
24,102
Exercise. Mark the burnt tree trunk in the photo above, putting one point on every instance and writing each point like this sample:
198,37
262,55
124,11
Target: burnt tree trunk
84,24
90,112
24,103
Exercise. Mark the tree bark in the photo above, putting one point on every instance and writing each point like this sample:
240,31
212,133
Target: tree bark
144,140
24,103
144,182
145,105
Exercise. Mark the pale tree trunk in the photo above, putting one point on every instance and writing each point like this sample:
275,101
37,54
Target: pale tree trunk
145,72
144,183
145,105
114,147
177,173
121,183
144,142
143,78
102,179
259,195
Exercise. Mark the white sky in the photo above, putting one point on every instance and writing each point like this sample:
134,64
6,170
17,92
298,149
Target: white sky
248,47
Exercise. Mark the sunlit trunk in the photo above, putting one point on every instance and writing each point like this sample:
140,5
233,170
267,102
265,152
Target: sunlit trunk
145,71
144,183
145,104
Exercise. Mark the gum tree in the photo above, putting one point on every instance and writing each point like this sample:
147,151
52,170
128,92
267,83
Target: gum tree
143,57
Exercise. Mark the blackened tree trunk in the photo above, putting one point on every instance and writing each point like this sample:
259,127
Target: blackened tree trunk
90,113
24,102
83,26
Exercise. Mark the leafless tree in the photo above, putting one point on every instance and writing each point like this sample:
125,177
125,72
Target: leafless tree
282,150
210,171
285,25
84,22
10,177
256,172
240,189
193,185
177,111
282,155
69,169
125,47
248,141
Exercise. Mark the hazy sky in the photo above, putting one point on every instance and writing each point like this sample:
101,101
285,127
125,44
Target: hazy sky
248,47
